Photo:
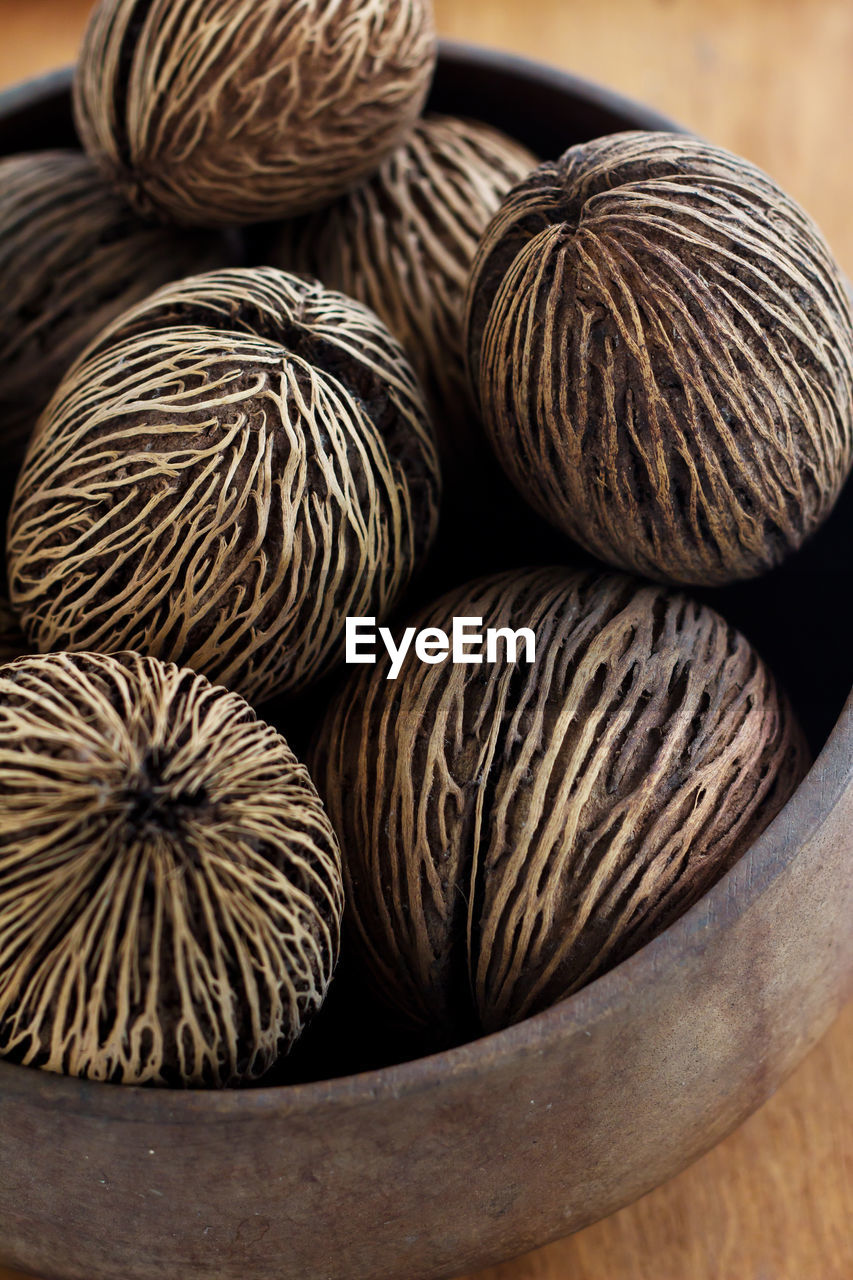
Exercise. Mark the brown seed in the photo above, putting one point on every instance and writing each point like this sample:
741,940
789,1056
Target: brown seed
509,831
170,892
72,257
212,112
232,468
403,243
662,346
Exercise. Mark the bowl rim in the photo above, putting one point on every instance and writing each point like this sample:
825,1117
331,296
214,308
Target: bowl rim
31,91
823,787
550,76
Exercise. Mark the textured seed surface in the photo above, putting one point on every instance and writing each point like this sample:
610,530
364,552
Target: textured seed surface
72,257
230,470
212,112
170,892
662,347
403,243
509,831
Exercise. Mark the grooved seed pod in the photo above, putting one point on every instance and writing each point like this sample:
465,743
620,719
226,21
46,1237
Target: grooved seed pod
662,346
213,112
510,831
403,243
72,257
232,468
170,892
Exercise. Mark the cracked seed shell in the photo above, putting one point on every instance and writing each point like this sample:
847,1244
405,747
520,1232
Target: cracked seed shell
511,831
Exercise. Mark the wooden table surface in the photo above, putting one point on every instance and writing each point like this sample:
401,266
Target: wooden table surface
773,80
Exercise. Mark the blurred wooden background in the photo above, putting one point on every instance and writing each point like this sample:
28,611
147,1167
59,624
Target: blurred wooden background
773,80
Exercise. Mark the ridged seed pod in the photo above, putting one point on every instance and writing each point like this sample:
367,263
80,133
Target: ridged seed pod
72,257
170,891
216,112
662,345
232,468
509,831
403,243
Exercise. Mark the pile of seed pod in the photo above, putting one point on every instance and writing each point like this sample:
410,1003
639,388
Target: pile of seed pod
285,358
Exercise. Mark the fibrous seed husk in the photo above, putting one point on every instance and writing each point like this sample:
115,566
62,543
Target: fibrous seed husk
231,469
170,891
217,112
511,831
403,243
72,257
662,347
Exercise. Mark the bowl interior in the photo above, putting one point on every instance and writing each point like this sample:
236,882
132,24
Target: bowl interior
797,616
645,1068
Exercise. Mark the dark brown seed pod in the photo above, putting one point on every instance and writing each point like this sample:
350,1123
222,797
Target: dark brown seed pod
404,241
661,342
12,641
170,891
510,831
232,468
72,257
216,112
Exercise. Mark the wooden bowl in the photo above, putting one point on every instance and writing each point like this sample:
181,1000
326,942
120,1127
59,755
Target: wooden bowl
450,1162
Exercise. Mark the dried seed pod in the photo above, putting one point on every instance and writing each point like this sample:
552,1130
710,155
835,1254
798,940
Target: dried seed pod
72,257
662,347
170,891
404,241
229,470
510,831
213,112
12,641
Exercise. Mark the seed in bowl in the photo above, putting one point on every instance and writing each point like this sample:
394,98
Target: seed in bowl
403,243
73,256
231,469
217,112
661,343
510,832
170,888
